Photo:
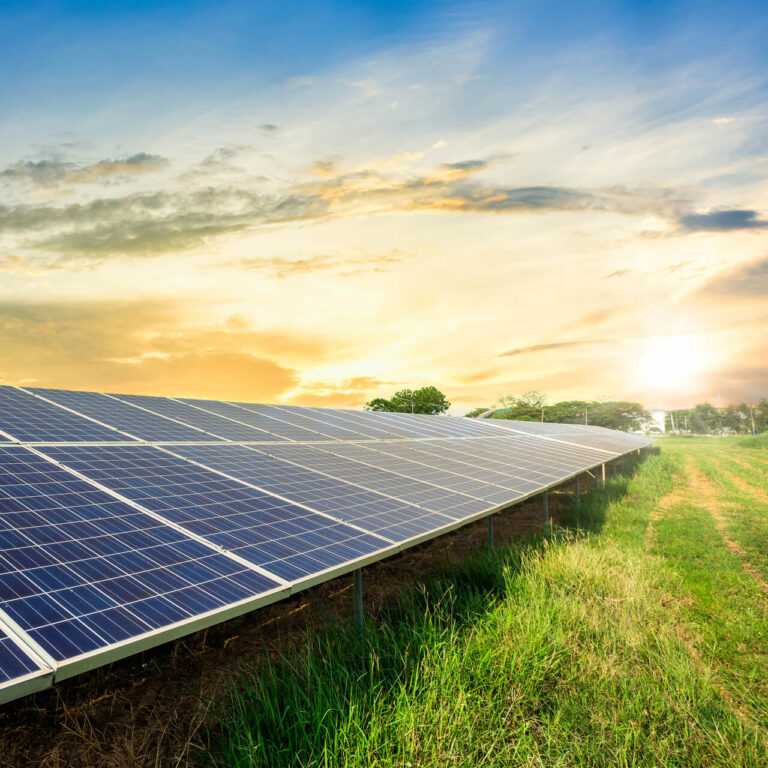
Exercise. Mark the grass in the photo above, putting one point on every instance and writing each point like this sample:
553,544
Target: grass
635,636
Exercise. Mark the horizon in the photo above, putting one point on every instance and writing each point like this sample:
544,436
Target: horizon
323,207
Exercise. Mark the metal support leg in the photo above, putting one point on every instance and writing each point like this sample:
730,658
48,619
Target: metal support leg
324,608
602,481
545,504
578,492
490,531
357,589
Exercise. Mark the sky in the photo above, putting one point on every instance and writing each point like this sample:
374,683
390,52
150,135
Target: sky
322,203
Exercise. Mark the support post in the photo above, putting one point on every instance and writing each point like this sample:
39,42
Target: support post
578,491
602,481
545,503
357,589
490,531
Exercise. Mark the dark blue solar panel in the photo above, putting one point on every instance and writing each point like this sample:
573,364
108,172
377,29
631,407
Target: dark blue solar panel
197,417
377,513
286,540
13,661
135,421
80,570
30,419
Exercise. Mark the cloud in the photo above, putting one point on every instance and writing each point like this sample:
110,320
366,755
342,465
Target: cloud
146,347
555,345
153,223
344,266
722,221
53,172
743,281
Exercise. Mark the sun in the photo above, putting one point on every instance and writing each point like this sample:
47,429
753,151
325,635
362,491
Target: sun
670,362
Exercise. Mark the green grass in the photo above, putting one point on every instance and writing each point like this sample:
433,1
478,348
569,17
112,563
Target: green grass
612,644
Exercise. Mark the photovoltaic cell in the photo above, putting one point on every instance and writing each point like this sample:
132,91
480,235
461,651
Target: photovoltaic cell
375,512
80,570
282,538
29,419
142,424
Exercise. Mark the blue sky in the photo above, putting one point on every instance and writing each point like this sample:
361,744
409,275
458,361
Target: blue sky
322,202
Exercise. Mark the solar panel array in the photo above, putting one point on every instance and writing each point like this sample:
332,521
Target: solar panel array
127,521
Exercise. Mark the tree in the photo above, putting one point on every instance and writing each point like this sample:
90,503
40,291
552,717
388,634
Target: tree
531,399
475,412
428,400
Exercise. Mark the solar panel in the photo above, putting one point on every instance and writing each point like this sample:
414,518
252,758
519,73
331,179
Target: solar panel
182,513
286,416
343,461
375,512
80,570
284,539
27,418
610,441
19,672
279,430
127,418
214,425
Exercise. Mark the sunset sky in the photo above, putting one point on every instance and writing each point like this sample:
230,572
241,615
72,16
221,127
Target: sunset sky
319,203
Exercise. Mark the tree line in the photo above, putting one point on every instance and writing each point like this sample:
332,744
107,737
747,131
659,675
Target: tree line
706,419
533,406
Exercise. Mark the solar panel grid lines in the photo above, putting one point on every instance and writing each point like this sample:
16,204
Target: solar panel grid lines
158,517
326,423
281,430
449,473
185,455
372,511
41,394
283,539
27,418
142,424
255,433
349,452
371,430
82,571
289,418
135,402
21,670
515,453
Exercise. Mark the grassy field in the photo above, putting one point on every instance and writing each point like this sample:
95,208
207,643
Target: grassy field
637,635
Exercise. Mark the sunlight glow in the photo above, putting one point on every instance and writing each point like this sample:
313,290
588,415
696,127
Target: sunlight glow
671,362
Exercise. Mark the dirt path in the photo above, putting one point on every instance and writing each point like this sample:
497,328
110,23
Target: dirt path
696,489
757,494
706,496
685,493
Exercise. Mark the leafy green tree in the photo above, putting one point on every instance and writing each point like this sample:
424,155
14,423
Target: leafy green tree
475,412
428,400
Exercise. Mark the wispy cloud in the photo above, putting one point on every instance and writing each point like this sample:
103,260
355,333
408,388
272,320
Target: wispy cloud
553,345
53,172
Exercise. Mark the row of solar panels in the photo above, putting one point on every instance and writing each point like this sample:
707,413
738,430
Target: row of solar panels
107,549
54,416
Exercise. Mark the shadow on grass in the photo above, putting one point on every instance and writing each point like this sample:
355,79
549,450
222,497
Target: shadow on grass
319,705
